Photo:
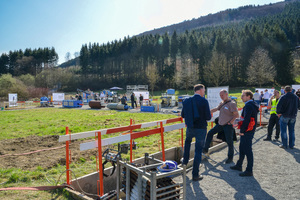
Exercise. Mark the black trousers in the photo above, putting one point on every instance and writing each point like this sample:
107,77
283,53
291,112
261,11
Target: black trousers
246,150
274,120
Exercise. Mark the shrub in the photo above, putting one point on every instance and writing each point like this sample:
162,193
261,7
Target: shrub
37,92
9,84
27,79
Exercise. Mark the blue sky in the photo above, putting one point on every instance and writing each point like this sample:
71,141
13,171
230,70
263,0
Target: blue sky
67,24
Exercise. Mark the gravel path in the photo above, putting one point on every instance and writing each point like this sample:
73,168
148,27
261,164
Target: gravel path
276,173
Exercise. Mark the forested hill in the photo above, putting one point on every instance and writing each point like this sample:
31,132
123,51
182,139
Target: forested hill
226,54
229,15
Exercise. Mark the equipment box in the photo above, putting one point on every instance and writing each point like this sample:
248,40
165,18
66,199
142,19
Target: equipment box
147,109
72,104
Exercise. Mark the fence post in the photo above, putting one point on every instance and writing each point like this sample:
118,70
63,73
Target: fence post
67,158
100,164
130,149
130,125
260,110
162,141
181,134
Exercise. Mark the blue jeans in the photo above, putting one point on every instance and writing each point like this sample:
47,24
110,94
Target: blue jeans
284,123
265,101
257,101
228,131
246,150
199,134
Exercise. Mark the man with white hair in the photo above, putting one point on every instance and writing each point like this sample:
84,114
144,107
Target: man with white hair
228,114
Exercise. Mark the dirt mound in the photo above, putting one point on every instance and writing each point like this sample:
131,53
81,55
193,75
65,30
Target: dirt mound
33,151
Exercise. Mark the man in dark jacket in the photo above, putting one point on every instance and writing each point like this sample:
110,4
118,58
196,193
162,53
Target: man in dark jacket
141,100
133,100
124,100
287,109
196,112
247,130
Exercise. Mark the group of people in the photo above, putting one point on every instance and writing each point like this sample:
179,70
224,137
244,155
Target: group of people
133,100
284,111
77,97
263,97
282,115
196,112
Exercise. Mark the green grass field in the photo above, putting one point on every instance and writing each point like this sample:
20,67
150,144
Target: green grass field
52,121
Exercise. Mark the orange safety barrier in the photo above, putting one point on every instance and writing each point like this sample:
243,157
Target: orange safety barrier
133,136
150,132
260,112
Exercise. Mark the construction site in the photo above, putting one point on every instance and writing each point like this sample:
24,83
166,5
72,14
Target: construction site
157,175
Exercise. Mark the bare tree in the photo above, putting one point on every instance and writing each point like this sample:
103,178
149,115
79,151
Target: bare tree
296,58
261,69
152,75
68,56
216,73
187,73
76,54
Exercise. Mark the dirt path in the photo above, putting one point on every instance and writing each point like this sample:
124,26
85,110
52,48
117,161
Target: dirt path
45,158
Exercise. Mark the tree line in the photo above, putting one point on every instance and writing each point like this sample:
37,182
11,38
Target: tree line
29,61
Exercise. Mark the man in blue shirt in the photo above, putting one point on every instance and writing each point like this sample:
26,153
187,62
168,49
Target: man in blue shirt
196,112
287,109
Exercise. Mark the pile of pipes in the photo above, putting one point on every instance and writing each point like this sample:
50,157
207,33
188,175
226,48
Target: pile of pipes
116,106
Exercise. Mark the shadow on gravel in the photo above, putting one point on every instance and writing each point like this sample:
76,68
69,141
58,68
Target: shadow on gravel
195,190
296,153
245,187
257,139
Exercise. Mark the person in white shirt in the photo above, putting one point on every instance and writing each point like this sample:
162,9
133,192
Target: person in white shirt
266,97
256,97
102,96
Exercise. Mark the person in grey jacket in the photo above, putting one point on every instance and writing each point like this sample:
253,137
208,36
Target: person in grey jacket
287,109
